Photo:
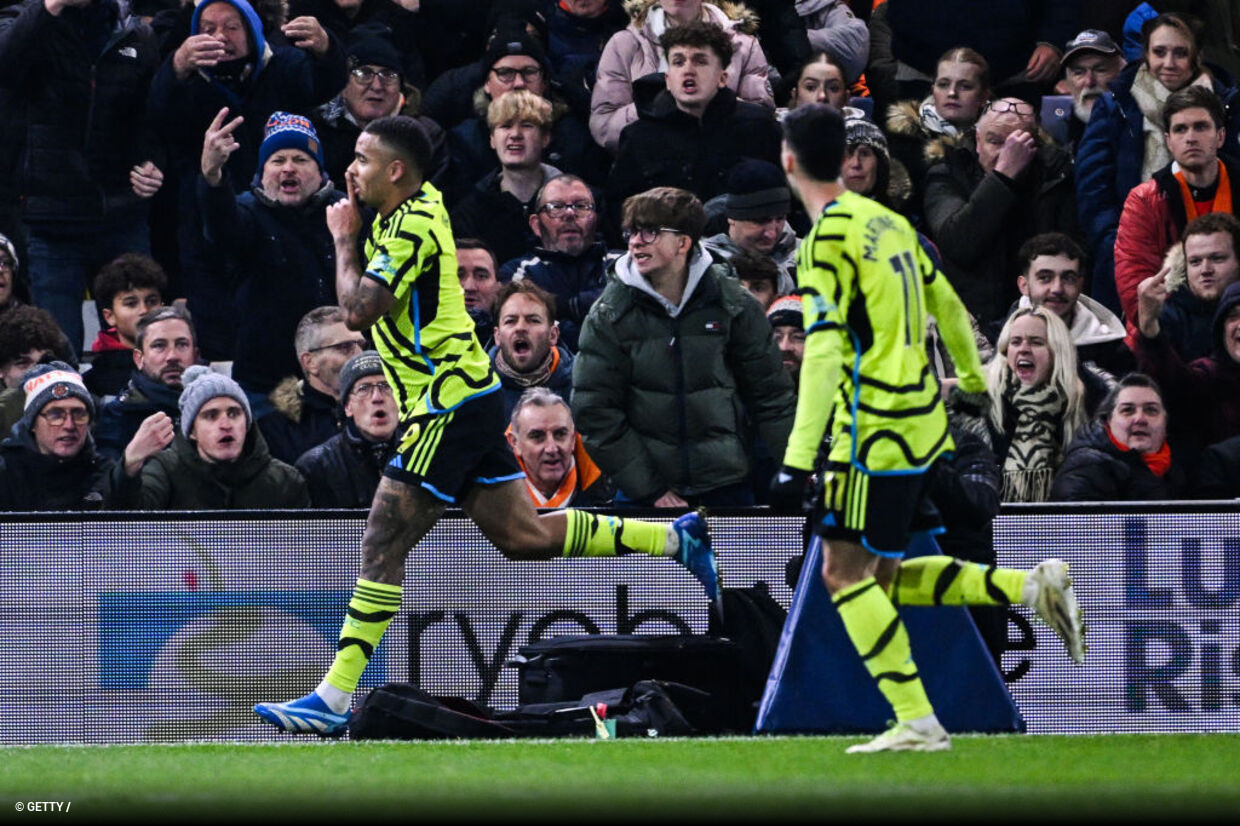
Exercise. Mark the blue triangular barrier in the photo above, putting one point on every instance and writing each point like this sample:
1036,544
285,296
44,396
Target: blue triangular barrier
818,684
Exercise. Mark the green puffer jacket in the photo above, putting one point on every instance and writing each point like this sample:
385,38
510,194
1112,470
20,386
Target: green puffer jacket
662,402
177,478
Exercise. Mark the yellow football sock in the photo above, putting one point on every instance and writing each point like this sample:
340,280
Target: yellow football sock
591,534
942,580
370,610
880,638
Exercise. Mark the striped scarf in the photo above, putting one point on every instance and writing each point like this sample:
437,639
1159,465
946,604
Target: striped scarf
1034,452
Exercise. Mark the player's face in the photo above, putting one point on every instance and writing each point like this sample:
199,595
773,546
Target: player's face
477,274
1029,354
820,83
167,349
290,177
1193,139
223,22
760,289
127,307
1212,264
958,92
1088,75
373,99
525,332
219,430
369,170
372,407
757,236
1054,282
791,343
1139,420
65,439
860,170
544,438
694,77
519,144
1169,57
573,231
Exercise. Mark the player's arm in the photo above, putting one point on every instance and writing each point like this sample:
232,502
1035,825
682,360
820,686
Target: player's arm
819,382
954,324
363,300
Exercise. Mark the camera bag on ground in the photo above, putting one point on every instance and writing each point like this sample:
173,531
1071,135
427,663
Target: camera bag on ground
400,711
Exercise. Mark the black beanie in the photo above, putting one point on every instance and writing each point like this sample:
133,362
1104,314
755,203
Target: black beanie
757,190
371,45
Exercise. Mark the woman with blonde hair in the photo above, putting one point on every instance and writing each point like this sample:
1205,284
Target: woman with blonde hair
1037,402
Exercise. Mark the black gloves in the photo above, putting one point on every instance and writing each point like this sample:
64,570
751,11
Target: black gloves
791,491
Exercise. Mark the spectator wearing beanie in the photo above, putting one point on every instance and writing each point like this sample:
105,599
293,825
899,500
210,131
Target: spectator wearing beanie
514,61
48,462
377,86
344,471
12,291
252,79
756,208
346,19
788,326
870,170
219,460
283,259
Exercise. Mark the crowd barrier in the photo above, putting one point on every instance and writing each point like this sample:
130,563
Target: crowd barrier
169,626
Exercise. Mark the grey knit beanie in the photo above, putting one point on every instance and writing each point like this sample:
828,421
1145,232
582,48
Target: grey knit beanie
365,363
201,384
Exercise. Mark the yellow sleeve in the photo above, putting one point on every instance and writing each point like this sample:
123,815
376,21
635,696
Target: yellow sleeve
954,324
398,259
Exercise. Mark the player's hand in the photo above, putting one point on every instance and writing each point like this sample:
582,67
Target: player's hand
145,179
1017,153
307,33
1043,64
217,145
154,434
344,218
790,491
670,500
197,52
1151,298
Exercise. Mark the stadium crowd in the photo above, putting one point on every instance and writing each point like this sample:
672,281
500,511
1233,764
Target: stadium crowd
625,234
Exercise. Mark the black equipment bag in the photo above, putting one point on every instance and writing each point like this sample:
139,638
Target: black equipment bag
400,711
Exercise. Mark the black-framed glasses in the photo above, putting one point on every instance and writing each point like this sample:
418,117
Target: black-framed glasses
364,391
57,415
344,348
647,235
559,209
364,75
1017,106
507,74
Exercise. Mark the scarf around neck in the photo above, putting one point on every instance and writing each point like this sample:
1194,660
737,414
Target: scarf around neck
933,121
536,377
1151,96
1159,462
1034,452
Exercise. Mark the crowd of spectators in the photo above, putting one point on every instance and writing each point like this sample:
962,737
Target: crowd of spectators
626,239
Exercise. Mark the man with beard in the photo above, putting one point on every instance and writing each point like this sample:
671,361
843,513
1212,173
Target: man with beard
164,347
1090,63
276,235
527,352
570,261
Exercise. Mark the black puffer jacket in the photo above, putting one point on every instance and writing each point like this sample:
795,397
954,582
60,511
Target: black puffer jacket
73,92
1095,470
344,471
30,481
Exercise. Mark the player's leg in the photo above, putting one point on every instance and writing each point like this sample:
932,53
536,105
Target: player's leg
400,515
509,520
944,580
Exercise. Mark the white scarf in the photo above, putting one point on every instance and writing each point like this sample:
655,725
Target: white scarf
1151,96
933,121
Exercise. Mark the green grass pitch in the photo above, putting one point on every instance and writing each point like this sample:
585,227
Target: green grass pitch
998,779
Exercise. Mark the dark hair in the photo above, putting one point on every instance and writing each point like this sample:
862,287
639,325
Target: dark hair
479,244
814,134
1048,243
1194,97
1107,406
25,328
665,206
165,313
1173,21
1216,222
404,136
963,54
525,287
702,35
788,83
131,271
754,266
